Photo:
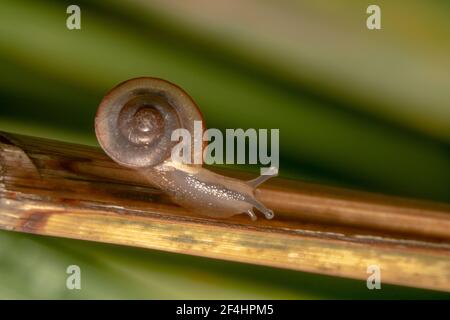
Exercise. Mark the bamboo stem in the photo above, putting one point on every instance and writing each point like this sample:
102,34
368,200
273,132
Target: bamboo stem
68,190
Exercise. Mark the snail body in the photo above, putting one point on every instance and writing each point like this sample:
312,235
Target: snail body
134,124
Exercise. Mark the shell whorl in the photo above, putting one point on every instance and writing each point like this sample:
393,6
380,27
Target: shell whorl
135,120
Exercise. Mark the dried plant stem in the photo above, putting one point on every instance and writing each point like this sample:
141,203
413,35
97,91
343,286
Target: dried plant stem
68,190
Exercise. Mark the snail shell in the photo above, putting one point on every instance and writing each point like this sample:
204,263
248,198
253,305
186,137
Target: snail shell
134,124
135,120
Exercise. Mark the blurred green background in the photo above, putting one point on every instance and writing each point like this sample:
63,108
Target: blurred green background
357,108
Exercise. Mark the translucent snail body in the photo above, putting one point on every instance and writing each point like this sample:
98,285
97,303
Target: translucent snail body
134,125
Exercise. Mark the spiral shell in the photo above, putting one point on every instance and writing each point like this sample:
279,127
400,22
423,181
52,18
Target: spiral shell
135,120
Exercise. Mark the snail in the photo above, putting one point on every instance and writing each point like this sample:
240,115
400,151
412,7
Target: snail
134,123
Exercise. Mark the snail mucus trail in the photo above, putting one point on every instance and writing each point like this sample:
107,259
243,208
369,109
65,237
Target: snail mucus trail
134,124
